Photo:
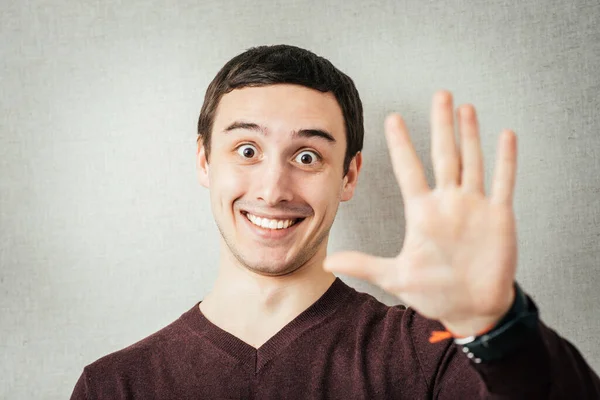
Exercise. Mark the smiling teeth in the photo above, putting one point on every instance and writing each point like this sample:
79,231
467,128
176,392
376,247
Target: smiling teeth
270,223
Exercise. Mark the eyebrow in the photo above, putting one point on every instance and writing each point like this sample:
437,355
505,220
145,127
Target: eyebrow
301,133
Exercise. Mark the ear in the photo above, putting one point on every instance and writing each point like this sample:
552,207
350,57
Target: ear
202,165
351,178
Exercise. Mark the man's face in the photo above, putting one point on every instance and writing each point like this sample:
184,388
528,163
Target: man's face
276,159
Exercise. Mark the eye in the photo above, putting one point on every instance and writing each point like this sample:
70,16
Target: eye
246,151
307,157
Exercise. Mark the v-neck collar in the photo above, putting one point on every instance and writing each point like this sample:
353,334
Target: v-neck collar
255,359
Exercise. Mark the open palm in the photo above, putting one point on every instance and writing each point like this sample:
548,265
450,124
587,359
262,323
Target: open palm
458,260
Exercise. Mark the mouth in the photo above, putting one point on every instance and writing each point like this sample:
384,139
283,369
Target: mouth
271,224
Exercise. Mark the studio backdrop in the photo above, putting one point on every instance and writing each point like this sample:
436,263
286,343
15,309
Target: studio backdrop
107,236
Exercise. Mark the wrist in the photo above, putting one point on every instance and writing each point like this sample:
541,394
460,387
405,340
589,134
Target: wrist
481,325
507,335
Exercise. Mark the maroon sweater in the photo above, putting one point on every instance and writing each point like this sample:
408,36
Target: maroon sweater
347,345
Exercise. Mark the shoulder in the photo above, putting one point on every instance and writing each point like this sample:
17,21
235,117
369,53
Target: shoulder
400,325
140,358
398,337
366,307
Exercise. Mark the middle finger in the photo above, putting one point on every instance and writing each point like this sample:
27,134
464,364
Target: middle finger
444,151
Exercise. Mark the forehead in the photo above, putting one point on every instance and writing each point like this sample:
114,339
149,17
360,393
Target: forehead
281,108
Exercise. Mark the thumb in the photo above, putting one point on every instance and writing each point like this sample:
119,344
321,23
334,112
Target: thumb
356,264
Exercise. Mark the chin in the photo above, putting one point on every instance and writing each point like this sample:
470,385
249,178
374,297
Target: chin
271,269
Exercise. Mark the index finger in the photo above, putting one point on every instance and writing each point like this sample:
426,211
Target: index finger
405,162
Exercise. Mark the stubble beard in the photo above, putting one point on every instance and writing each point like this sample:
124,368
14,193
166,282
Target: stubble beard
299,260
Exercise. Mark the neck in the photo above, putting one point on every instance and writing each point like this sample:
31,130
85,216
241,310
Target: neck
241,297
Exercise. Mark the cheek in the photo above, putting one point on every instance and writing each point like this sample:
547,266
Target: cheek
227,184
322,194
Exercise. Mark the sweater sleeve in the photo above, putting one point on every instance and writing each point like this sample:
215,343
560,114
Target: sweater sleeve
545,366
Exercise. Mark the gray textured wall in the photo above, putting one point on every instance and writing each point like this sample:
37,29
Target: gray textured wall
106,236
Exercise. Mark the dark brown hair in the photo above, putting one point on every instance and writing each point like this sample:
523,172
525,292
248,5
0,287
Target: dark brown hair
269,65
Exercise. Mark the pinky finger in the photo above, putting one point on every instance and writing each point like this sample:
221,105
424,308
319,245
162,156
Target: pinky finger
503,183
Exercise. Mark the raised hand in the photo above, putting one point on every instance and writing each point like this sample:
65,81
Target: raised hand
458,261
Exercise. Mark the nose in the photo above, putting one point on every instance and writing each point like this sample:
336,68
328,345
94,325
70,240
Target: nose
274,183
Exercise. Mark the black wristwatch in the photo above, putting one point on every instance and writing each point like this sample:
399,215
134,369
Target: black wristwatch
519,323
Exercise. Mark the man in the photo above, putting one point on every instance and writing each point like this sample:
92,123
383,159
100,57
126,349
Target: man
280,139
